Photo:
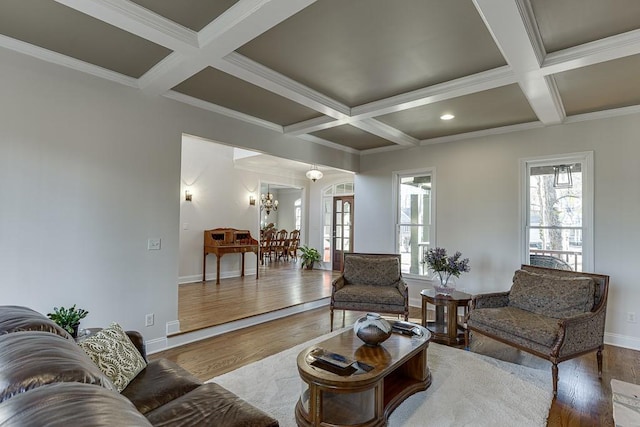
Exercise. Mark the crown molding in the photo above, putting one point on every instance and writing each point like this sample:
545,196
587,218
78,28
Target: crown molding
205,105
481,133
137,20
66,61
605,114
329,144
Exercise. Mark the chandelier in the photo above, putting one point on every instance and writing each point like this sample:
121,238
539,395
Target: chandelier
314,174
267,203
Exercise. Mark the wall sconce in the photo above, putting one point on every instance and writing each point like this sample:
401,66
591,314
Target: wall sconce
187,195
252,200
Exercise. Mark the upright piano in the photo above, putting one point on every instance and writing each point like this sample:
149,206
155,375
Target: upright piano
220,241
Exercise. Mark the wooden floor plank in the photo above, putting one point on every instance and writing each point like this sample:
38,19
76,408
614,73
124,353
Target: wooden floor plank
583,399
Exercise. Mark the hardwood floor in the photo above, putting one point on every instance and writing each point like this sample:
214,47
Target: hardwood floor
282,284
583,399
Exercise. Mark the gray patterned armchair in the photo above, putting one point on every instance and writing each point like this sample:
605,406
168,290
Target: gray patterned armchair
554,314
370,282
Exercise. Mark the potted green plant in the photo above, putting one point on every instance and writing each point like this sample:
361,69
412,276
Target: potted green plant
68,318
309,256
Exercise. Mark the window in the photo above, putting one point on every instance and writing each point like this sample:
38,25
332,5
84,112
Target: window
414,219
558,209
298,212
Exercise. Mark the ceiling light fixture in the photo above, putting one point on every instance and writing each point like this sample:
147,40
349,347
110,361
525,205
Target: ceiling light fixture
314,174
447,116
562,176
267,202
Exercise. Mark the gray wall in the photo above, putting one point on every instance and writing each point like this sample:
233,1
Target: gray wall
89,170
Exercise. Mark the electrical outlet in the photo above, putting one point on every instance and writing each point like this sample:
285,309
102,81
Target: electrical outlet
631,317
148,319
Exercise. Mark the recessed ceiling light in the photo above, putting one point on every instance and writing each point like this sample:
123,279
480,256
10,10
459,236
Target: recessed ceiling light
447,116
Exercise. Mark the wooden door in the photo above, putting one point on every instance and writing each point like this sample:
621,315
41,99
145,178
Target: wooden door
342,228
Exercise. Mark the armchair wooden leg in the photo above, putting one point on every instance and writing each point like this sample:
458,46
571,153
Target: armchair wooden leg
466,339
343,311
599,358
554,374
331,319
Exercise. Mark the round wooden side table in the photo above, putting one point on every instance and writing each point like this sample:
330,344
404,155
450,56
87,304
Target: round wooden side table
445,329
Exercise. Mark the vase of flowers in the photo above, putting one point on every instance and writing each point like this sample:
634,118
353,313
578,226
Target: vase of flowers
445,269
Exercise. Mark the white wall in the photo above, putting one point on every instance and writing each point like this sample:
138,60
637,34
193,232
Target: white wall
477,205
286,210
89,170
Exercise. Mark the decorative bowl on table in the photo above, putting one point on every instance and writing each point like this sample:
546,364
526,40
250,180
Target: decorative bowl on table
372,329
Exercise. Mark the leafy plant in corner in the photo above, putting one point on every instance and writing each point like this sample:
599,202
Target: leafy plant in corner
68,318
309,256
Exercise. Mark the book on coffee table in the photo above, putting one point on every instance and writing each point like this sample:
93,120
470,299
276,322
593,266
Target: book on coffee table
406,328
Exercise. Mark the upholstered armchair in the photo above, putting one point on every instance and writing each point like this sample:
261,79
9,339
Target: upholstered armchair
370,282
554,314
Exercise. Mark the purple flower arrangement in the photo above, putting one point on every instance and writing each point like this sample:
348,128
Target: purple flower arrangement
446,266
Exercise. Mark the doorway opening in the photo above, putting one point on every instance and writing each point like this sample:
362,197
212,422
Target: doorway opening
338,207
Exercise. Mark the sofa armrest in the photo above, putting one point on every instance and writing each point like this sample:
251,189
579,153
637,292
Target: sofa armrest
580,333
338,283
492,300
137,340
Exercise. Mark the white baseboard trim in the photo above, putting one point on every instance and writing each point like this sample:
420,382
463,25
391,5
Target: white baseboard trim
155,345
624,341
212,276
161,344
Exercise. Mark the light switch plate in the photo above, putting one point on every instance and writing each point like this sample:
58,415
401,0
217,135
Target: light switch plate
154,244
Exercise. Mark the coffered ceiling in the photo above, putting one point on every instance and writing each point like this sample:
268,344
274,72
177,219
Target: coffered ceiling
357,75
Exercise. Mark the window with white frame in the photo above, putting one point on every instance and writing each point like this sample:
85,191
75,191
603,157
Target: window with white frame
558,211
414,218
298,212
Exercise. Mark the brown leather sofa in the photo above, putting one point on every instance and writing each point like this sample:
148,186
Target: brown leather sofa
47,379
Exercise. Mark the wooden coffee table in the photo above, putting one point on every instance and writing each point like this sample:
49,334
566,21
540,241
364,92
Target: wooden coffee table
362,398
445,330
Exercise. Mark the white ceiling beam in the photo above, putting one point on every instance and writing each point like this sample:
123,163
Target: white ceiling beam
463,86
513,29
485,80
241,23
139,21
259,75
610,48
385,131
313,125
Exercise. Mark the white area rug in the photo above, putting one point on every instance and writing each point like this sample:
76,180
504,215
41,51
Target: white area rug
467,389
